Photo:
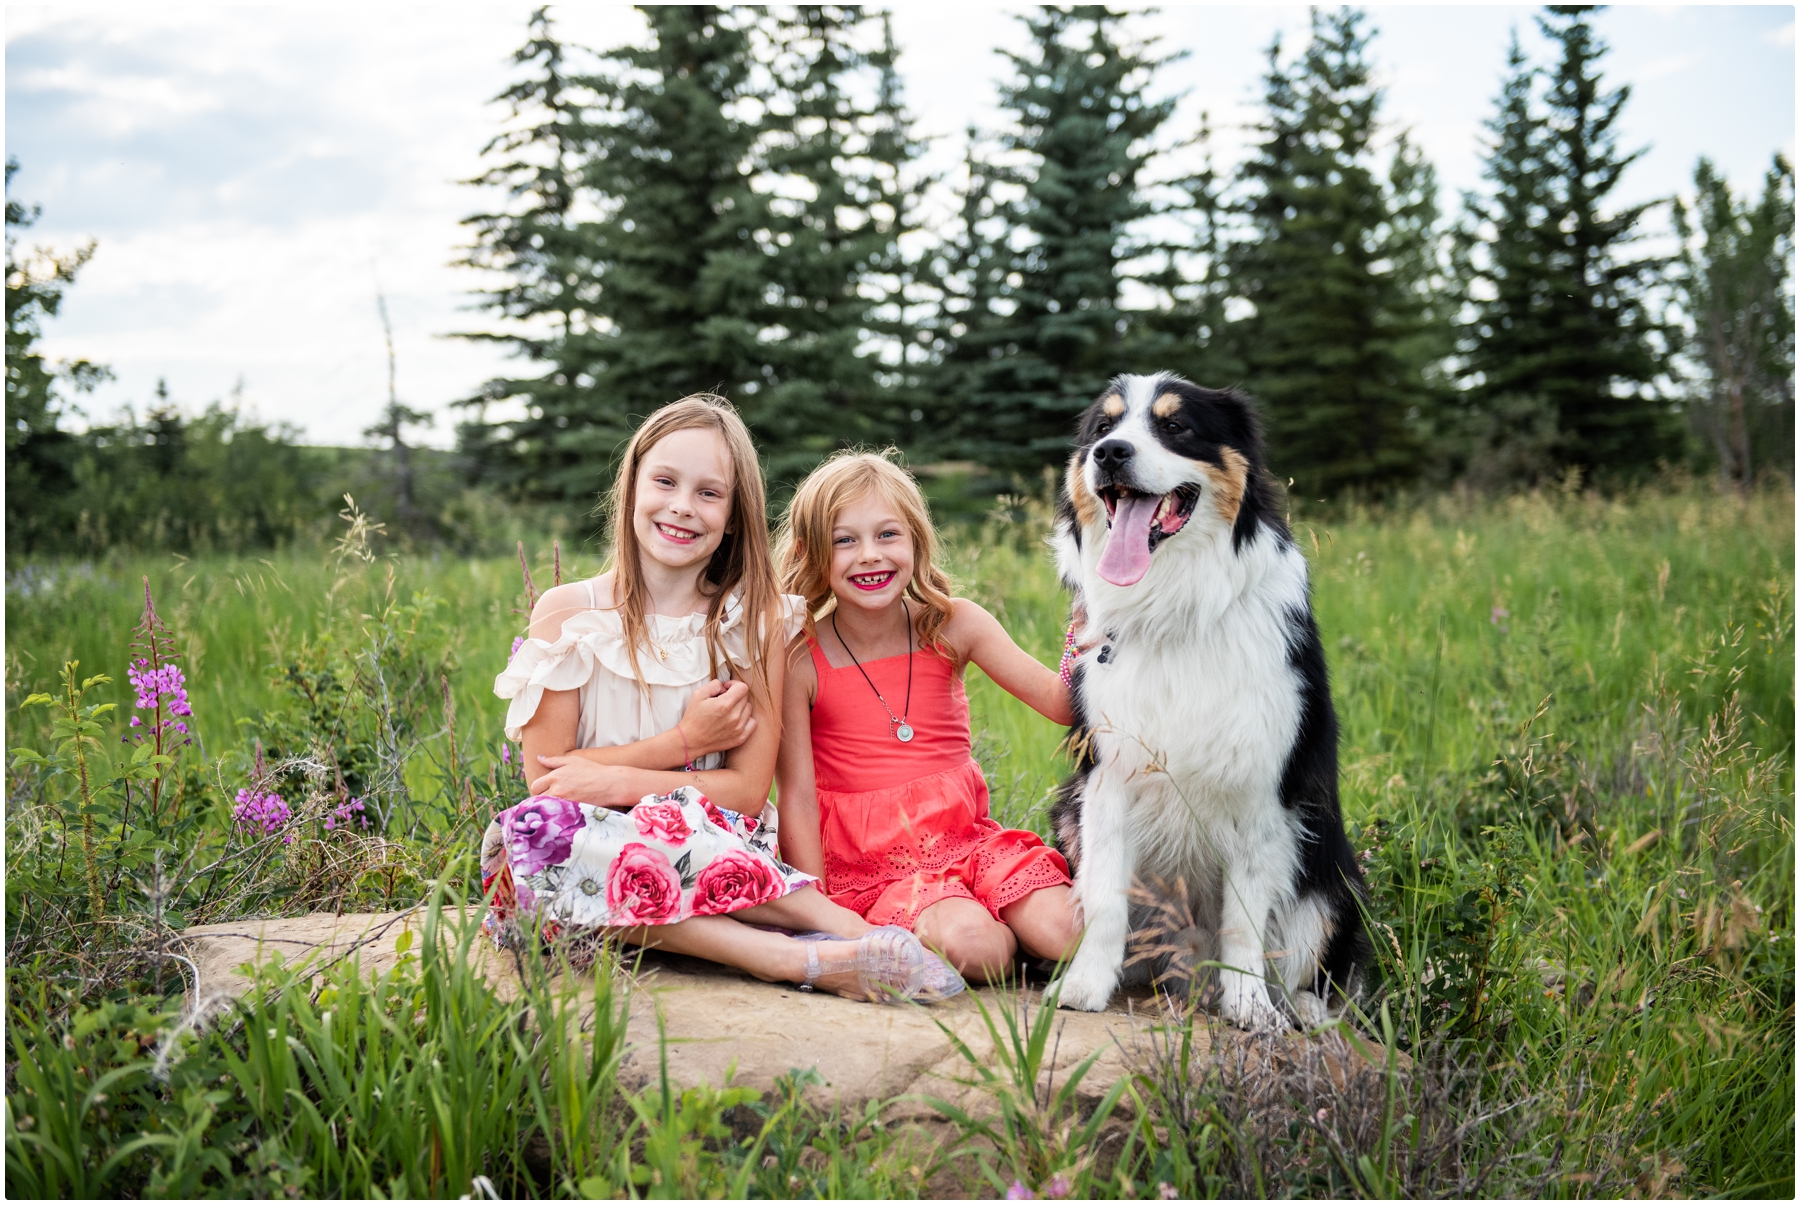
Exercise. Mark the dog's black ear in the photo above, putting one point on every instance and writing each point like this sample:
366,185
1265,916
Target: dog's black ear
1247,418
1263,494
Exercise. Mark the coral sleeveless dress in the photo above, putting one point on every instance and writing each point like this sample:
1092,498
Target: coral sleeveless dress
907,825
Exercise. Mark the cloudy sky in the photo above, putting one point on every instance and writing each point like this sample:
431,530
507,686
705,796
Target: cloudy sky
249,171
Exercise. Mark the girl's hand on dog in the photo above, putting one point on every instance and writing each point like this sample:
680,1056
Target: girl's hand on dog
718,717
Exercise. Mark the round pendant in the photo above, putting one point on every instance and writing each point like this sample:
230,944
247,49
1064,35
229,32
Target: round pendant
903,733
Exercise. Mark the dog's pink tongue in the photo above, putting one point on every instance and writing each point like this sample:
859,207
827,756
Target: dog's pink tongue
1127,555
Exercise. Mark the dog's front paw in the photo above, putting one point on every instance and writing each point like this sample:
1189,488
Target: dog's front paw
1309,1010
1082,990
1244,1001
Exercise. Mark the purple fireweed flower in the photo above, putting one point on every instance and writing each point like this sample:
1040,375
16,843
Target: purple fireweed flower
518,641
164,686
347,814
1018,1192
1167,1191
262,812
1058,1188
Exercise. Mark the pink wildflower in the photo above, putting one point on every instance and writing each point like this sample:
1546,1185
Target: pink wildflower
158,687
262,812
351,811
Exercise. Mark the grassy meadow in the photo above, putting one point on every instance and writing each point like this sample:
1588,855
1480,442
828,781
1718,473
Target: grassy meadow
1567,751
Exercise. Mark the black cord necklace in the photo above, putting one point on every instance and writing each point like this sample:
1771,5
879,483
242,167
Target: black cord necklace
902,730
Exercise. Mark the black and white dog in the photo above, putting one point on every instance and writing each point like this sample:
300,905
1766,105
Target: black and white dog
1205,736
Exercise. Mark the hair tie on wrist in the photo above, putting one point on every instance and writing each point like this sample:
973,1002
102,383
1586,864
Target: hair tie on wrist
687,759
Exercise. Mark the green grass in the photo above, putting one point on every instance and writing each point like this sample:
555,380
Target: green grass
1567,755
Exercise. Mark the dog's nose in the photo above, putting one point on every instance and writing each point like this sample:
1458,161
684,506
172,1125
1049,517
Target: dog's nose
1113,453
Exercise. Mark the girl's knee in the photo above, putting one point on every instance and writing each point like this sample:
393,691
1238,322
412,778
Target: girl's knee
979,946
1049,927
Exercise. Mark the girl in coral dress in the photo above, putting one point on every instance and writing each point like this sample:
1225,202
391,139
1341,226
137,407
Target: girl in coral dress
879,794
647,703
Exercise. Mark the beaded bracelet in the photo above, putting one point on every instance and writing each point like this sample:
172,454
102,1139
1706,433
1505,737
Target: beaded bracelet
1069,656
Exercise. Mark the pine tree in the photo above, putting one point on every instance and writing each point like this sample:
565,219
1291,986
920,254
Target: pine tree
1185,331
1568,335
667,282
966,271
549,257
838,277
1509,430
1341,338
1042,336
1738,290
744,196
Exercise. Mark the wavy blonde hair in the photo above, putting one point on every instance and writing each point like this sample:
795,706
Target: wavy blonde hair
805,539
741,562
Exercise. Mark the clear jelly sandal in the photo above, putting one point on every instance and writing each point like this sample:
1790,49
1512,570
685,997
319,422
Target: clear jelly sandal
889,963
940,981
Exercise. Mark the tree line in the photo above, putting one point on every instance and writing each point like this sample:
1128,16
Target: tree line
738,204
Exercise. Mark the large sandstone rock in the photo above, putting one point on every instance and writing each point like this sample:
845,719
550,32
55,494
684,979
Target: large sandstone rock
716,1018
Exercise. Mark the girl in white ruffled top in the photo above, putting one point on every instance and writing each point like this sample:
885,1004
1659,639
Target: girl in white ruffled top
647,701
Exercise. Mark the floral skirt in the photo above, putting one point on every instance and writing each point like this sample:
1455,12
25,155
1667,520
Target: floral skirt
573,866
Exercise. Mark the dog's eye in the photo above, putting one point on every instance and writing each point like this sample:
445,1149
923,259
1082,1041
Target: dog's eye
1173,427
1103,428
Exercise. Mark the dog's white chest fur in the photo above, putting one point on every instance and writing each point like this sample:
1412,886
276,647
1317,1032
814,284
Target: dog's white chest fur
1196,705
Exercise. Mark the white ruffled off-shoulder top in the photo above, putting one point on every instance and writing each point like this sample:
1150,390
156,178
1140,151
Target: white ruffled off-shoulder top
590,656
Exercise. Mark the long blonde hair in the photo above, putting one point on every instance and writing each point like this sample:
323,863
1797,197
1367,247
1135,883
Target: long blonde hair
805,539
741,562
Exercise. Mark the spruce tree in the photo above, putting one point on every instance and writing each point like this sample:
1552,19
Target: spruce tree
548,255
1043,336
1509,431
1737,288
743,195
666,282
967,269
1564,352
1336,265
1612,344
1187,331
837,275
685,239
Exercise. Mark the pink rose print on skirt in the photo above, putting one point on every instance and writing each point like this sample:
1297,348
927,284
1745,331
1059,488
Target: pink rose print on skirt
714,814
662,822
733,881
540,832
643,889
